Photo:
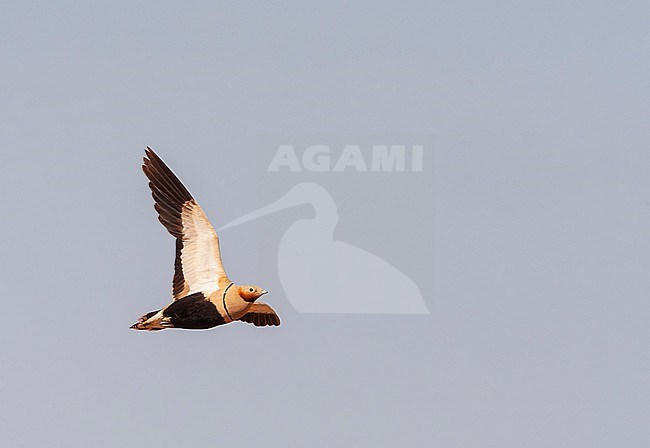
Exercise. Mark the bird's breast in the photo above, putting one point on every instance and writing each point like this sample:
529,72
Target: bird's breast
229,303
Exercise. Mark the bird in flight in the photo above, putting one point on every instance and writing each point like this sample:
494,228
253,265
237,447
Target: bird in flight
204,297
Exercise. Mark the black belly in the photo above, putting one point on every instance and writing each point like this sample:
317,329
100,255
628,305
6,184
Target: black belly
193,312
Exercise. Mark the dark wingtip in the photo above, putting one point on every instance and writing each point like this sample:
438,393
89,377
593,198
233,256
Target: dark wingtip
146,160
152,155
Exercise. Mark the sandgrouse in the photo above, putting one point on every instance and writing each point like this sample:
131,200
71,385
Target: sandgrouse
204,297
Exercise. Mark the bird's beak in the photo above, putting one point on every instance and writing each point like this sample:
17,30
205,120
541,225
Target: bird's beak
264,291
288,200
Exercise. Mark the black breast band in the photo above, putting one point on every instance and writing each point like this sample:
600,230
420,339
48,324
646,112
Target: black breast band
223,299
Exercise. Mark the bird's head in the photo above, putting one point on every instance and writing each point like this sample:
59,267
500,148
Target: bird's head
251,293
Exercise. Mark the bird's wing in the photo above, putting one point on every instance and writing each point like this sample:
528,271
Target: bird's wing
261,315
198,266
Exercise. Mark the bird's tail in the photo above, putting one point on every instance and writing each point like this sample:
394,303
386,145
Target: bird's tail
145,322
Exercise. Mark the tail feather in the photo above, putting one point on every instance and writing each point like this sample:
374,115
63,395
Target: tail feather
145,322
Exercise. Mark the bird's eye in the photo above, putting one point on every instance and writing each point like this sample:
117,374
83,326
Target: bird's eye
251,290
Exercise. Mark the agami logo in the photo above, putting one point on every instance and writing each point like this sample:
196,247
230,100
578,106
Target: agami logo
321,158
